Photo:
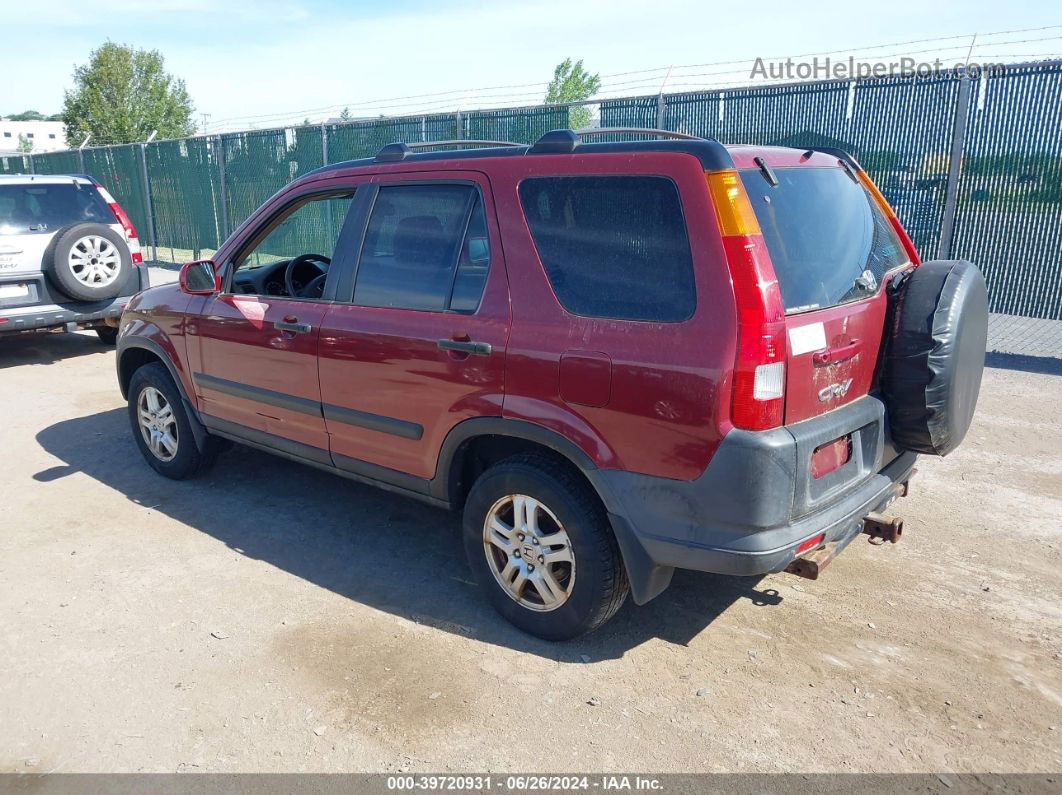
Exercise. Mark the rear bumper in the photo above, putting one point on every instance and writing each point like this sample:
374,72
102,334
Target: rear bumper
757,501
50,309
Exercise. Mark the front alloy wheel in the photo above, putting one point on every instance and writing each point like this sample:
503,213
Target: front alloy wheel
158,426
161,426
529,553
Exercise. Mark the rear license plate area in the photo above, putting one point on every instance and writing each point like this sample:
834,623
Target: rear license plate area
18,294
831,456
14,290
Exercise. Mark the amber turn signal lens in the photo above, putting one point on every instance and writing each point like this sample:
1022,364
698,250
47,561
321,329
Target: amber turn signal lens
732,207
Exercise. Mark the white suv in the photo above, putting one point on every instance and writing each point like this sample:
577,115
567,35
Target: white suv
69,256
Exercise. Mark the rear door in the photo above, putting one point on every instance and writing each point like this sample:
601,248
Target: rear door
416,343
832,248
30,215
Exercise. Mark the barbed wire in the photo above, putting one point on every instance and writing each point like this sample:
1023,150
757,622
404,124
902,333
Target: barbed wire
489,97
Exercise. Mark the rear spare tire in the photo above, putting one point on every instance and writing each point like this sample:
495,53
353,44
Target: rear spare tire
936,354
89,262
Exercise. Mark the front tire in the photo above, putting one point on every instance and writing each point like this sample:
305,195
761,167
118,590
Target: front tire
161,427
540,545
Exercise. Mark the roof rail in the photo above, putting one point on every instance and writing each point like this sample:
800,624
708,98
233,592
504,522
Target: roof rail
400,151
565,141
585,131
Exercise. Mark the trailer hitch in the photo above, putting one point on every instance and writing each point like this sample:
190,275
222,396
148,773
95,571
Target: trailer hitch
882,528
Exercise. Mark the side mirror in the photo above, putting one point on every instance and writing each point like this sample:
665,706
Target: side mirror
199,278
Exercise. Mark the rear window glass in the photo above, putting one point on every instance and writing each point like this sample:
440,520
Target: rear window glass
829,242
45,208
612,247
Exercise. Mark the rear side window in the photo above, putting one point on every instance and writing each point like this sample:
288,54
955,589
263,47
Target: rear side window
46,208
425,248
613,247
828,240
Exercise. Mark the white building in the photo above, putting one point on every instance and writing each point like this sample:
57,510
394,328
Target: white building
45,136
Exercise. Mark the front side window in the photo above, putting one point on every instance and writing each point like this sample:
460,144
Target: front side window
613,247
425,248
291,256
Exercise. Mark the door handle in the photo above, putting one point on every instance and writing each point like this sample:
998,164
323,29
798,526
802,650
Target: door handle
293,326
836,355
466,346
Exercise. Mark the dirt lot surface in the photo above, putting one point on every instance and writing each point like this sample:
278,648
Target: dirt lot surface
271,617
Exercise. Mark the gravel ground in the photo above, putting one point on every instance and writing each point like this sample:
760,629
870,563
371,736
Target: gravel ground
271,617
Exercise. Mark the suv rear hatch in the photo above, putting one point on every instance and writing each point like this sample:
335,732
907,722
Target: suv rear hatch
31,212
831,246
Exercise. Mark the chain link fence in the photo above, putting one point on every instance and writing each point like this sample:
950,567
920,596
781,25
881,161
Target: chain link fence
971,163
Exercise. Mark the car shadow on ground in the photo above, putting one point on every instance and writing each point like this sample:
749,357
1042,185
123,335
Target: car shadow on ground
386,551
1048,365
48,348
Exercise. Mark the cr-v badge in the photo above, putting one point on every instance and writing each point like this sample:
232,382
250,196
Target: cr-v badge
835,390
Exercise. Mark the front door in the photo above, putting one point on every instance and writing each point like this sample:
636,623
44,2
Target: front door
418,342
257,374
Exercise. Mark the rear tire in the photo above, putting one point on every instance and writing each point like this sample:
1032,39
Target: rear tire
108,334
525,512
161,428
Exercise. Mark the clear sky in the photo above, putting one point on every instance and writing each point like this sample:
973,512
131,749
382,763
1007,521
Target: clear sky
308,58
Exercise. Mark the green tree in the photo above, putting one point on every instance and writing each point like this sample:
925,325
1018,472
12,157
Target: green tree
25,145
571,83
345,114
26,115
122,95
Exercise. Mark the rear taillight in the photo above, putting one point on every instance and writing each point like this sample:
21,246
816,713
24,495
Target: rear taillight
759,371
127,224
879,199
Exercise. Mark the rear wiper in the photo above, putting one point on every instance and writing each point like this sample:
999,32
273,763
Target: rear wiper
767,171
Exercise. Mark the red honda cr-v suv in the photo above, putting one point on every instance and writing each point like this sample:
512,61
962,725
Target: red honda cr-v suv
617,359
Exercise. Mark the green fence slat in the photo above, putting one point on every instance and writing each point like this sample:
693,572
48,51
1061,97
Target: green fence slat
186,197
523,126
261,162
1009,216
66,162
118,169
14,164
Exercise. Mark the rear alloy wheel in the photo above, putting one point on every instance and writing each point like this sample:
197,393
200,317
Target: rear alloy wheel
540,546
161,427
529,552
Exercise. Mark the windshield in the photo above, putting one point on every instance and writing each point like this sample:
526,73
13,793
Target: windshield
44,208
829,242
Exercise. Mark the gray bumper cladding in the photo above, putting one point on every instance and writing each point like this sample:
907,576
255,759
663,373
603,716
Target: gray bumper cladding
756,501
45,309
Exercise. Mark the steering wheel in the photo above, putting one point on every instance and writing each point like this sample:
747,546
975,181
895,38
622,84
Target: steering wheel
316,284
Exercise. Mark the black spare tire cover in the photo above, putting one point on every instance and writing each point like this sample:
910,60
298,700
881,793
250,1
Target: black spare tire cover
935,356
